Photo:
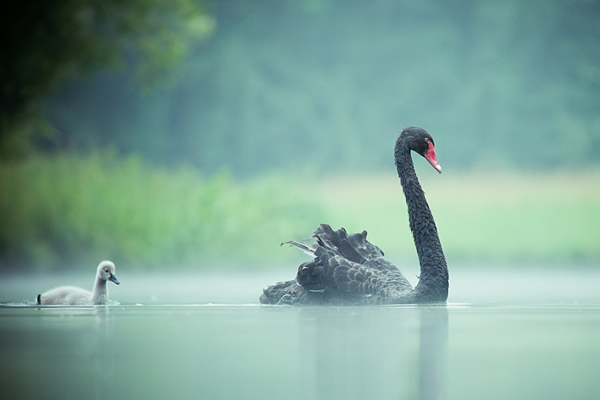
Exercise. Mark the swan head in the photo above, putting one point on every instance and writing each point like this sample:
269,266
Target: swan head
106,272
420,141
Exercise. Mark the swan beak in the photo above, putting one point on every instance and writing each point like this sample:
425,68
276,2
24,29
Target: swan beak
114,279
432,158
437,166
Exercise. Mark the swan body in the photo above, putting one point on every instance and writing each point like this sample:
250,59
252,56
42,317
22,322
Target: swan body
348,269
70,295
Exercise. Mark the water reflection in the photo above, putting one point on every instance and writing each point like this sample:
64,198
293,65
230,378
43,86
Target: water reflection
433,352
253,352
382,353
505,347
103,354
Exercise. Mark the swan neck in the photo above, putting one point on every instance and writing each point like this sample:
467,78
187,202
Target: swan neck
100,292
433,281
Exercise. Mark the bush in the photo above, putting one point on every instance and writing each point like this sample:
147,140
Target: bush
70,210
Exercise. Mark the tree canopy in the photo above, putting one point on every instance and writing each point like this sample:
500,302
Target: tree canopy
324,84
45,43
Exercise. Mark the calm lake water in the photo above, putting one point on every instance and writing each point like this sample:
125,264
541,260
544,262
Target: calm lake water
506,335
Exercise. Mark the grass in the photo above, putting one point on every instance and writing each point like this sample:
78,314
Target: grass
498,218
68,210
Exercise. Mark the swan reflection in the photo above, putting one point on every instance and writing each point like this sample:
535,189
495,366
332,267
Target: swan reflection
379,353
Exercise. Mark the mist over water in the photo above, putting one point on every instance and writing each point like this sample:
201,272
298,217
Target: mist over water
517,334
281,116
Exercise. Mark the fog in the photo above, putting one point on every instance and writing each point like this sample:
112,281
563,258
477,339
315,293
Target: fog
185,143
325,85
523,335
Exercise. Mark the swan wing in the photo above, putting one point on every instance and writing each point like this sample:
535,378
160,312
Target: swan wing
336,276
354,247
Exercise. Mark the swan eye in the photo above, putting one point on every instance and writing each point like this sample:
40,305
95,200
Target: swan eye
428,141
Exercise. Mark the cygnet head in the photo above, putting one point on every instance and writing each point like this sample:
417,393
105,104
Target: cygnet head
106,272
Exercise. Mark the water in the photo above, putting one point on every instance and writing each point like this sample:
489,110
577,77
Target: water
502,336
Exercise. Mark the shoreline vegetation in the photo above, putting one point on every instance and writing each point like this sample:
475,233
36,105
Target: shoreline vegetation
69,210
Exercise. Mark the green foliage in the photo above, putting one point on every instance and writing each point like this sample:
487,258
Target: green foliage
500,219
46,43
298,86
68,210
328,84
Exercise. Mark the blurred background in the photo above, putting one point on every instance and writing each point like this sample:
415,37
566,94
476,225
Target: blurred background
199,135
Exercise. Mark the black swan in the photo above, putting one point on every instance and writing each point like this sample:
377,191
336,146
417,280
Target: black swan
348,269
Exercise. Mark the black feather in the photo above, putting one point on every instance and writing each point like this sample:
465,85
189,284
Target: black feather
348,269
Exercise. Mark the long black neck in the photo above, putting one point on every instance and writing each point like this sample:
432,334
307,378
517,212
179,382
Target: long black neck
433,282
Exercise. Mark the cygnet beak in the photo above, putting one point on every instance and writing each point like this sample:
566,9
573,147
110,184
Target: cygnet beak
114,279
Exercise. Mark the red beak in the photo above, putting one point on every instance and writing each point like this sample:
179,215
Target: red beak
432,158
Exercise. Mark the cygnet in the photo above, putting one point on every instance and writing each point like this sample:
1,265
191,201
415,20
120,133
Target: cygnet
70,295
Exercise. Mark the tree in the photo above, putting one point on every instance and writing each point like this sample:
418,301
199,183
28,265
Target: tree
45,43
